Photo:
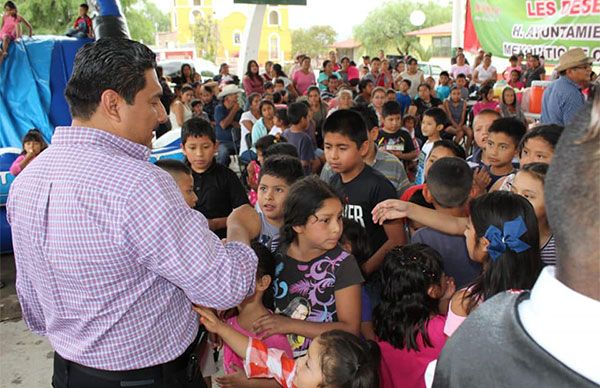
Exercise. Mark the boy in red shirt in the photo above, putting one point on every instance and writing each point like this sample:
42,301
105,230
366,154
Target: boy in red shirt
82,28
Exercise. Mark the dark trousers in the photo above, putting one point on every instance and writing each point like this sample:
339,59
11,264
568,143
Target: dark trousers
183,372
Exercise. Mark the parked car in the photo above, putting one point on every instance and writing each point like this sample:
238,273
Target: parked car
206,68
430,69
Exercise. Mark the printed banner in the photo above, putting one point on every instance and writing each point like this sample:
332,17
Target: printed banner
544,27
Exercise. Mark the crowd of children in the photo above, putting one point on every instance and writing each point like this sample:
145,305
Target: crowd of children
424,209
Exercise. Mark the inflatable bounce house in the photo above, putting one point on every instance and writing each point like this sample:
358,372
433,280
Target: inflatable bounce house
32,80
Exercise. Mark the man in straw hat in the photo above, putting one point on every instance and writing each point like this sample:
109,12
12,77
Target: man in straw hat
563,98
227,117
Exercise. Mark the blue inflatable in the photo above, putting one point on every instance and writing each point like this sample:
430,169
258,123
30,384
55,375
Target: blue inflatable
7,157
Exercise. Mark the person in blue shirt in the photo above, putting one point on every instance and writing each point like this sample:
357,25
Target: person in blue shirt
227,126
563,98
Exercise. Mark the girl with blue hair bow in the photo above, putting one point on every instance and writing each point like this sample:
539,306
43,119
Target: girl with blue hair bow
502,234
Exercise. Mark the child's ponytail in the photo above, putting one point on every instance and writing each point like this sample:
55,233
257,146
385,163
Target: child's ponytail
511,267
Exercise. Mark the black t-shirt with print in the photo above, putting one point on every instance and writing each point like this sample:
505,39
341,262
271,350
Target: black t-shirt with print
306,290
397,141
361,195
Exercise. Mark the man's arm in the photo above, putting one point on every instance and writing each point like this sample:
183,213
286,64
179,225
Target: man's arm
229,119
243,223
174,241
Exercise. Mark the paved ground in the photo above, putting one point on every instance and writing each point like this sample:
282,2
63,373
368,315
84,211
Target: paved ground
25,358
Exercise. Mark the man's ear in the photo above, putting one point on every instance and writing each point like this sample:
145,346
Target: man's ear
110,104
427,194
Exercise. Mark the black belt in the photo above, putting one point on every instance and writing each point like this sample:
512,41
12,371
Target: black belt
136,377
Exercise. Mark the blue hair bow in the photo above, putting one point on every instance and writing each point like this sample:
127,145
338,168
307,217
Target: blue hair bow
507,238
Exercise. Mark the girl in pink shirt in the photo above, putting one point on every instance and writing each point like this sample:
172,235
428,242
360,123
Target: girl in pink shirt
10,24
33,144
250,310
408,321
486,101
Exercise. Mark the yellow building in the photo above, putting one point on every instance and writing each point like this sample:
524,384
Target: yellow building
438,38
275,39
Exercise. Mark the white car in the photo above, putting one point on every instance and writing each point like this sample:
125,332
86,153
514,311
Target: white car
430,69
206,68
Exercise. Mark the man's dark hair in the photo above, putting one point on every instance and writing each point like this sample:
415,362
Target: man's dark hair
449,181
173,166
296,112
197,127
195,102
438,115
574,222
363,83
84,6
391,108
411,61
109,63
445,73
368,114
279,81
461,75
408,82
424,85
375,59
285,167
347,123
511,127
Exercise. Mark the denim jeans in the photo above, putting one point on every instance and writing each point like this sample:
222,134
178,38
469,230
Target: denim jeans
226,149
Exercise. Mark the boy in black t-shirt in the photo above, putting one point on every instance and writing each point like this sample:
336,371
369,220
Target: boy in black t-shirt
391,138
361,187
218,189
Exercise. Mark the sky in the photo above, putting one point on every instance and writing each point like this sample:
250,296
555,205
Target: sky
342,15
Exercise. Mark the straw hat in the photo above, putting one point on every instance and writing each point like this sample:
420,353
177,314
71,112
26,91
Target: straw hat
229,89
573,58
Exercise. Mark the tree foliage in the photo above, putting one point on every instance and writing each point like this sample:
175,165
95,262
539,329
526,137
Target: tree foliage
313,41
205,33
55,16
385,26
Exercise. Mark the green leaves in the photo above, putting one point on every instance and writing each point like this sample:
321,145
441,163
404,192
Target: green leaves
313,41
56,16
384,27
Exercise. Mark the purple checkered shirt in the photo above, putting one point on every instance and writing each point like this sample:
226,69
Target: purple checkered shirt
110,258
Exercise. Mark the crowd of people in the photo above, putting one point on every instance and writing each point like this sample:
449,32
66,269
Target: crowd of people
386,230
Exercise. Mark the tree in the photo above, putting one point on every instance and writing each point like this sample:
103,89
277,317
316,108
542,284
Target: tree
206,36
54,17
385,27
313,41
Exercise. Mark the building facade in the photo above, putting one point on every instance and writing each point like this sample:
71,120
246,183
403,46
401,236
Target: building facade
275,40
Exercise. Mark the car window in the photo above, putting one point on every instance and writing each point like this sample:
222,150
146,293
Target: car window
436,70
